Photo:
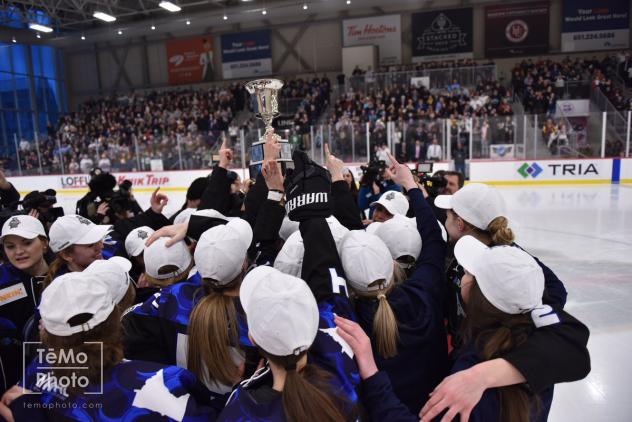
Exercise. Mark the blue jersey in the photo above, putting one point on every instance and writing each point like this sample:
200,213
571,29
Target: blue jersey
19,297
131,391
157,330
322,271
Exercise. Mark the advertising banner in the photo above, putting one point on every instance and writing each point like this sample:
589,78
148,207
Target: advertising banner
573,108
246,54
517,29
382,31
439,35
541,171
589,25
190,61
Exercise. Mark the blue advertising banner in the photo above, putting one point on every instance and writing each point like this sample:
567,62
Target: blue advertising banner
589,25
246,54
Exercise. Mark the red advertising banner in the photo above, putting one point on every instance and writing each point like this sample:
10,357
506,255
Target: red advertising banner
190,60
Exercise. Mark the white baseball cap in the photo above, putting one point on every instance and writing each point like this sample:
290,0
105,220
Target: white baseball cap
287,228
476,203
75,230
158,255
394,202
113,273
73,294
400,236
211,213
281,311
184,216
366,259
289,260
135,240
509,278
221,251
338,231
24,226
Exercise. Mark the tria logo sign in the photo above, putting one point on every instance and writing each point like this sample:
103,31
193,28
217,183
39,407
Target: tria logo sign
532,170
560,169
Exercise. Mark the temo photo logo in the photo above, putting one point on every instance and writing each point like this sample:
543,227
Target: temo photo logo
532,170
60,369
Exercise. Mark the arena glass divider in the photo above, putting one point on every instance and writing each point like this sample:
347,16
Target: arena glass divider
39,155
604,118
17,153
627,137
61,155
368,142
139,168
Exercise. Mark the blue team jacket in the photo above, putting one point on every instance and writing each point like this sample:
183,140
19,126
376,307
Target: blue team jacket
422,359
131,391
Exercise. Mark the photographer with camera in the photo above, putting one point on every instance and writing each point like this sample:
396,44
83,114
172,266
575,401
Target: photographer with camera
104,205
9,196
41,206
376,179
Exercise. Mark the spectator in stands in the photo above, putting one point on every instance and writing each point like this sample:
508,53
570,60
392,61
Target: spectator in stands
434,151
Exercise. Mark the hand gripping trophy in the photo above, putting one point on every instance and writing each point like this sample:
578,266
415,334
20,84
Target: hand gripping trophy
266,93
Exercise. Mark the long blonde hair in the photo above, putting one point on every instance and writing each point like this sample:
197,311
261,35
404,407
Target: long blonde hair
385,327
213,328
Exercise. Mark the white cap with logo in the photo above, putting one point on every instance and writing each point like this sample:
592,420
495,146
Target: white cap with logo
113,273
23,226
400,235
394,202
366,259
75,230
73,294
476,203
158,256
281,311
287,228
135,240
509,278
221,251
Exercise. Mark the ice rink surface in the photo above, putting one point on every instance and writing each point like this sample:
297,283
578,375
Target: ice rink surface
584,233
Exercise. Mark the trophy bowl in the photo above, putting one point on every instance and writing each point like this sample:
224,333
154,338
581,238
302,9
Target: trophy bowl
266,95
266,92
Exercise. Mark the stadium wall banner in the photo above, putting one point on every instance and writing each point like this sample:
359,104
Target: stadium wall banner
246,54
534,172
572,108
382,31
589,25
625,170
445,34
190,60
517,29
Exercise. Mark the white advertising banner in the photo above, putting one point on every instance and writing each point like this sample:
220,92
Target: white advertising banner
382,31
542,171
626,170
573,108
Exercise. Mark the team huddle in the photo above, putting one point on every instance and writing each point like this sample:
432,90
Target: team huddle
286,303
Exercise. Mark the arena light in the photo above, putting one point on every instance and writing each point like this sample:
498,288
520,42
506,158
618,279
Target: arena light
13,40
172,7
41,28
38,35
83,37
305,7
264,12
188,22
225,18
103,16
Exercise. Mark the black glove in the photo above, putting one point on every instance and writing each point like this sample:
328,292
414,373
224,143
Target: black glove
307,189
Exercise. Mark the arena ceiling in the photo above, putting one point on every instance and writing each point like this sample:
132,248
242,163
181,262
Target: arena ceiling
142,17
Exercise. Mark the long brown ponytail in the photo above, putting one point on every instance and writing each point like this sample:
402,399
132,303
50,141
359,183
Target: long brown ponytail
212,331
307,395
495,333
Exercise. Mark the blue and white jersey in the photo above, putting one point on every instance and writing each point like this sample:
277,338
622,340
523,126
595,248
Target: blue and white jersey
131,391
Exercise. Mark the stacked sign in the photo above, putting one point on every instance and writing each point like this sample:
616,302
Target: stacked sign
595,25
190,61
383,31
517,29
443,34
246,54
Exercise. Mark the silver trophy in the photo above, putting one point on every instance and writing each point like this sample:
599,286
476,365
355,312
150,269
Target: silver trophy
266,93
